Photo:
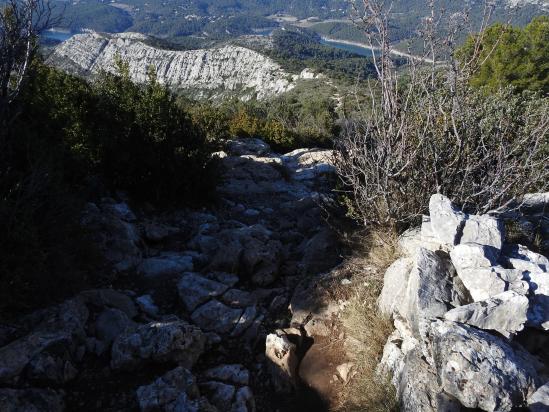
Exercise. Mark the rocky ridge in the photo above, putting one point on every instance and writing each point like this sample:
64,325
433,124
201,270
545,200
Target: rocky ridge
205,72
196,293
471,316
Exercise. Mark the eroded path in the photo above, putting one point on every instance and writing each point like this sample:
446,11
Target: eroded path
196,296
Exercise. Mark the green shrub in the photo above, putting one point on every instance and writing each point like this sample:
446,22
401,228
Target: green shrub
73,141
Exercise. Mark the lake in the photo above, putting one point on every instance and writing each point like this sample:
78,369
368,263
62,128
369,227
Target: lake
58,35
360,50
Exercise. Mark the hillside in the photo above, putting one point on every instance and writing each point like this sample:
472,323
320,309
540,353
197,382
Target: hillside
213,72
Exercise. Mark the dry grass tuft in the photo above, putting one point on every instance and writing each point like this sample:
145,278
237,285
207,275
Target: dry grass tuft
366,326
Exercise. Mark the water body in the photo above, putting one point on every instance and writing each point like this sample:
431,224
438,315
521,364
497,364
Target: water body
58,35
360,50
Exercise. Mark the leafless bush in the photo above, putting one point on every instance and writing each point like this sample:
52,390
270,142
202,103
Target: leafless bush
21,21
428,131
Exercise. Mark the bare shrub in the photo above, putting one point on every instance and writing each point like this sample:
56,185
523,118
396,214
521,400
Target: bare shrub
429,132
21,21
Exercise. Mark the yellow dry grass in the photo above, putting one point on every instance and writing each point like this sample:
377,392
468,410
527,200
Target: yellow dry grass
365,325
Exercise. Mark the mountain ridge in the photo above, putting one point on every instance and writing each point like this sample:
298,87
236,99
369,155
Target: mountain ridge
208,73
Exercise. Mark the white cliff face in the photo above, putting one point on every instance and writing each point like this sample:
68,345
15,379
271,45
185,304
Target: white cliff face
212,71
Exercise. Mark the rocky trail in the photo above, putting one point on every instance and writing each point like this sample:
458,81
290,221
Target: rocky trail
209,310
238,307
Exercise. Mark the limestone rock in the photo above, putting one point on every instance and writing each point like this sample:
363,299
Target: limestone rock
483,230
418,389
117,239
473,255
482,283
521,258
320,252
112,299
239,298
214,316
244,400
177,386
48,353
245,321
219,394
446,222
159,342
147,305
481,370
261,260
395,283
248,146
211,71
31,400
156,232
110,323
539,401
168,265
504,313
235,374
429,289
538,315
283,361
195,289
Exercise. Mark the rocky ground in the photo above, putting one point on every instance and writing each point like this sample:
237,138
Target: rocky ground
218,309
237,307
471,314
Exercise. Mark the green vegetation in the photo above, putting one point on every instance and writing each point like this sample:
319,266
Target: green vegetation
74,141
299,48
303,117
512,56
96,16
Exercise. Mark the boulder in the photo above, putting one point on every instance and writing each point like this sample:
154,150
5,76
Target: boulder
110,298
473,255
245,321
282,361
31,400
195,289
244,401
261,260
320,253
239,298
219,394
235,374
521,258
48,353
227,258
249,146
504,313
395,283
538,314
483,283
177,386
535,202
115,237
110,323
446,221
539,401
147,305
313,306
481,370
418,388
483,230
168,265
214,316
156,232
158,342
429,289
